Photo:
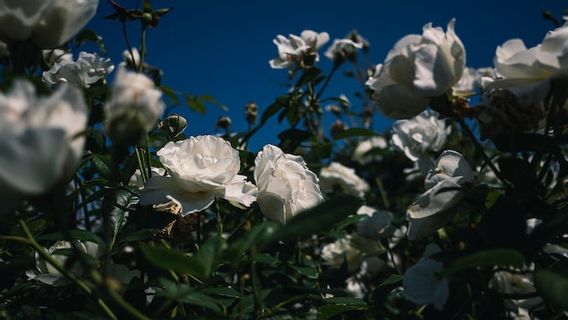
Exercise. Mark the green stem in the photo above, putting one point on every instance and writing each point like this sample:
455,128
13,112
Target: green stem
141,165
324,86
142,48
480,150
219,221
148,156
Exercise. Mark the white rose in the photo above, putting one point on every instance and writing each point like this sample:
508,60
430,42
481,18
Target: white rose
298,51
285,184
53,56
417,69
137,180
135,104
337,177
376,225
445,190
470,82
127,56
512,283
340,251
40,141
88,69
342,48
361,153
201,168
421,282
420,135
46,23
527,72
46,273
355,287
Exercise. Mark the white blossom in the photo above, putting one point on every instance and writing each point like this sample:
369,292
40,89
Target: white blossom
342,251
337,177
285,184
88,69
527,72
444,186
295,50
421,134
342,48
137,180
128,55
417,69
201,168
422,283
46,23
41,140
46,273
361,153
135,104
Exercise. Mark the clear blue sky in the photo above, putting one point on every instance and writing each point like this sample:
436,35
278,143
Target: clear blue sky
222,48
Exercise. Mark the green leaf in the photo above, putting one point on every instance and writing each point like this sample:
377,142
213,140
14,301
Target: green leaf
496,257
118,210
295,135
88,35
355,132
197,103
186,294
208,253
199,265
307,271
526,142
171,94
138,235
102,164
393,279
170,259
280,103
320,218
340,305
81,235
552,283
238,248
227,292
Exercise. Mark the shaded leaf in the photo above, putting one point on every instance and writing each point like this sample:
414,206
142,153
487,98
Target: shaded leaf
320,218
354,132
552,283
81,235
496,257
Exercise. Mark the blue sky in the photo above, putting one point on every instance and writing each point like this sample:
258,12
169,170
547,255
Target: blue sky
222,48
